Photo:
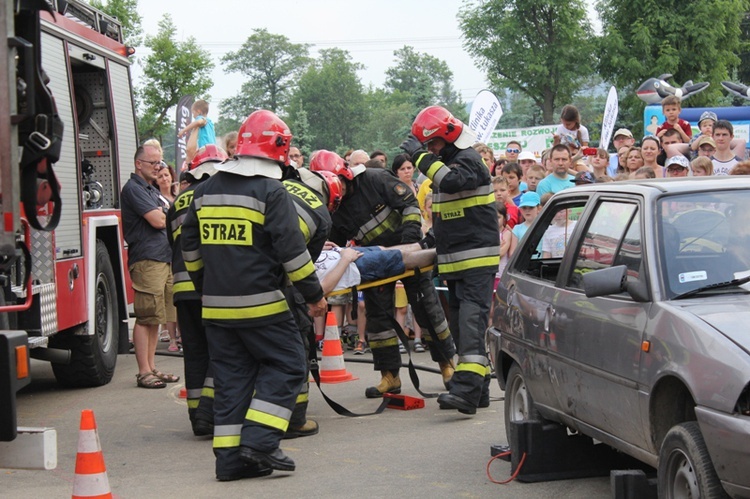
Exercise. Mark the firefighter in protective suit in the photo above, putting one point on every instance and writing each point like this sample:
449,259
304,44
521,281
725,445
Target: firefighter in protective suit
379,209
199,381
466,234
308,190
241,244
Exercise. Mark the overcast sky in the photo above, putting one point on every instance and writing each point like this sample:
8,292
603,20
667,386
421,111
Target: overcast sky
369,30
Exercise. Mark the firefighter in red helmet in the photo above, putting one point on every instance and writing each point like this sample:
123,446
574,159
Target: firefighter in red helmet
241,243
199,381
379,209
467,241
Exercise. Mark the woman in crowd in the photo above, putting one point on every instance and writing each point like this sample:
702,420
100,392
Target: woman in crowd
650,149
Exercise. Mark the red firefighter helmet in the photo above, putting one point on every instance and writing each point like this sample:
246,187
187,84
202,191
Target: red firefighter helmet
264,135
437,122
205,157
329,161
335,188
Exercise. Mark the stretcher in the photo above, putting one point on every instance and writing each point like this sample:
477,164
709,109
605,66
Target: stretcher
380,282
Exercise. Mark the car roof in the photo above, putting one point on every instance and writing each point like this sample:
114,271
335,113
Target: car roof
652,188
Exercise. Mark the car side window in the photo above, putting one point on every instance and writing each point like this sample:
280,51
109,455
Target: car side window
543,250
613,237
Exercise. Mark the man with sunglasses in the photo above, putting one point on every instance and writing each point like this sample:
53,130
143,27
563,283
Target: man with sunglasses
512,150
144,222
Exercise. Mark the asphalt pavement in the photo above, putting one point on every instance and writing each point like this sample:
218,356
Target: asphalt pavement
149,449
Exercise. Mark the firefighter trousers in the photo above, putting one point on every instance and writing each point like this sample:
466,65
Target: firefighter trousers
469,302
258,373
297,305
423,298
199,380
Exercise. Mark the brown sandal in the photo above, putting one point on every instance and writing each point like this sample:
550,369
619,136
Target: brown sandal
167,378
149,380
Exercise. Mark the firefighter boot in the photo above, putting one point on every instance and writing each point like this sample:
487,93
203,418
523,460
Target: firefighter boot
484,398
389,383
275,460
309,428
446,369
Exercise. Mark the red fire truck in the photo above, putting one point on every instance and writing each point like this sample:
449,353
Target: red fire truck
63,276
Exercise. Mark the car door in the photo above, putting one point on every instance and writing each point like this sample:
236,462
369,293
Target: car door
532,289
602,390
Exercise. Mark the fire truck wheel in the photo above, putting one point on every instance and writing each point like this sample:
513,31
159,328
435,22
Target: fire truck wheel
94,355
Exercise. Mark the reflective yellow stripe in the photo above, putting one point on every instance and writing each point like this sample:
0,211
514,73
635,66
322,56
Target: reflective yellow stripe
231,212
478,369
207,392
267,419
391,222
305,230
472,263
463,203
411,218
193,403
303,272
488,371
382,343
246,312
226,232
302,192
302,398
226,442
176,233
194,266
183,287
433,169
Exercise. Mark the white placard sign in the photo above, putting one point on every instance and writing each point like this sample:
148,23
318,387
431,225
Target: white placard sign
610,117
484,115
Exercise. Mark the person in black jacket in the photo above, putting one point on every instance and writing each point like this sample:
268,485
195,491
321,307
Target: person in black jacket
241,244
467,242
380,210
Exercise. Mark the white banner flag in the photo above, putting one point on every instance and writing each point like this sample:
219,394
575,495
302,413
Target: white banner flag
609,118
484,115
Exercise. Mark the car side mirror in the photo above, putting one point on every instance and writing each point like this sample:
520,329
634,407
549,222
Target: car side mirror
603,282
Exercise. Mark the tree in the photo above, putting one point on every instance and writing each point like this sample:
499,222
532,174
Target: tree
691,40
540,48
173,69
425,80
126,11
330,92
271,64
303,136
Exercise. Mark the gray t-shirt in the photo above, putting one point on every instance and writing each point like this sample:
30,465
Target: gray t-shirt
144,242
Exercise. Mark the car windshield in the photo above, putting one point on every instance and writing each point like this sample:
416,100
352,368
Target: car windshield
704,239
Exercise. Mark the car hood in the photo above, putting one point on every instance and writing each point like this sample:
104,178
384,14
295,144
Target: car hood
729,314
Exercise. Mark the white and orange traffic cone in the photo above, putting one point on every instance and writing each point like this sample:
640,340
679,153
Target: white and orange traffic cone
91,474
332,368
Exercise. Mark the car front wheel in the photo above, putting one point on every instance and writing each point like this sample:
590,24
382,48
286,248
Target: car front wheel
519,405
685,467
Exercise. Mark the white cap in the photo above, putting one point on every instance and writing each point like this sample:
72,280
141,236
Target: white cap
526,155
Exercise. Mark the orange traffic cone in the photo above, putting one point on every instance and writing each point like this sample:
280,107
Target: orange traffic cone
91,474
332,368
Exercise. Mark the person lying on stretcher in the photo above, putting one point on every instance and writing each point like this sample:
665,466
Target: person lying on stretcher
340,268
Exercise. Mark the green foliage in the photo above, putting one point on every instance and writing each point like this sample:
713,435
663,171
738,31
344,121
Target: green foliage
692,40
271,64
303,136
173,69
331,94
126,11
540,48
425,79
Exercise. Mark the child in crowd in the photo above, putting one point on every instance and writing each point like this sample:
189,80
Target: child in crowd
534,175
205,126
507,240
530,205
570,130
672,107
599,162
558,234
512,173
512,213
706,127
702,167
644,172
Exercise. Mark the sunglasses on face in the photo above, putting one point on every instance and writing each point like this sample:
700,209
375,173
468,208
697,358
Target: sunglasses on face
512,150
